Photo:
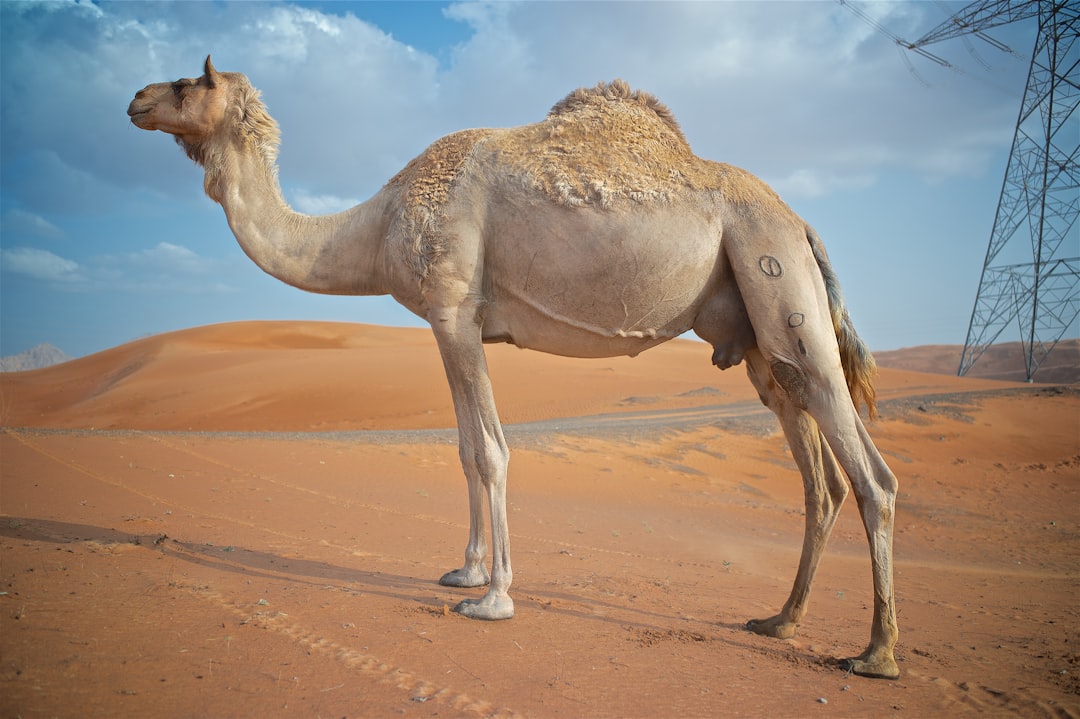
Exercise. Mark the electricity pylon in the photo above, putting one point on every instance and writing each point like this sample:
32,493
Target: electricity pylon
1040,196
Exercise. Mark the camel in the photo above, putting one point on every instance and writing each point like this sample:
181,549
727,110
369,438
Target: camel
593,233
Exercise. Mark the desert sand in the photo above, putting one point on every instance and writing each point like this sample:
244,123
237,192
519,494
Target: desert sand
248,520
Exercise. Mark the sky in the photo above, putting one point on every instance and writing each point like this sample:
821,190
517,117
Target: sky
106,235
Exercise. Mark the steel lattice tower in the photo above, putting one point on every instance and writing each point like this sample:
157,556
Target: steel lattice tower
1040,196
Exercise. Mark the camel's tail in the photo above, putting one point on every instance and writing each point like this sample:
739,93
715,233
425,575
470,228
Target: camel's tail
859,365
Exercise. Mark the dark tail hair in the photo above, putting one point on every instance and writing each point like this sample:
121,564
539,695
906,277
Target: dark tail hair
860,368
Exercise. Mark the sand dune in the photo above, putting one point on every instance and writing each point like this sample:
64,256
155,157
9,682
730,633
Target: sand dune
305,376
1003,361
249,519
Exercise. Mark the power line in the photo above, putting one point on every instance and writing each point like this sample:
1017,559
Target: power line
1039,205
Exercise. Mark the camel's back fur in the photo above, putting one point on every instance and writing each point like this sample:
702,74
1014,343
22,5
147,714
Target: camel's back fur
605,147
617,91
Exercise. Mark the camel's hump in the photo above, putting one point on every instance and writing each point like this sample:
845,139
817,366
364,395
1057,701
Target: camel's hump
586,99
599,147
602,146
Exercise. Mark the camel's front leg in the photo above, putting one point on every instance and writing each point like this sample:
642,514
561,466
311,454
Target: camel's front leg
474,573
824,489
484,457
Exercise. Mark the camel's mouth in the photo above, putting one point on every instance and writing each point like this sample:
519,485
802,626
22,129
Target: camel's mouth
141,119
137,113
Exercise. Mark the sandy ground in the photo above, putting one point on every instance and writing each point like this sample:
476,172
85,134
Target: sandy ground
249,521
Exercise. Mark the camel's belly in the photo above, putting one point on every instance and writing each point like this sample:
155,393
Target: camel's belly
570,337
582,288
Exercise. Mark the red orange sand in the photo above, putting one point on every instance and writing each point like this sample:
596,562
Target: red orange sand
249,519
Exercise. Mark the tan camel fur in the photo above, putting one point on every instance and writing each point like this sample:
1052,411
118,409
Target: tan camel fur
594,233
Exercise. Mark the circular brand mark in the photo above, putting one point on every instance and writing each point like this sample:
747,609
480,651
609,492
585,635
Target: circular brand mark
770,266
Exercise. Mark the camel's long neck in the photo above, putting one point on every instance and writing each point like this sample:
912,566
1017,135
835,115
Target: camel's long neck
340,254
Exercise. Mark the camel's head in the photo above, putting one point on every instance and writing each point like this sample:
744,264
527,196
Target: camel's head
206,114
191,109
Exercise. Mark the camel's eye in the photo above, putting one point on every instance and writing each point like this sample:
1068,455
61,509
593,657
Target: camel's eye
177,88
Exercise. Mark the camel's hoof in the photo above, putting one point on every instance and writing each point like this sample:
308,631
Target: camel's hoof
486,608
466,577
873,668
775,627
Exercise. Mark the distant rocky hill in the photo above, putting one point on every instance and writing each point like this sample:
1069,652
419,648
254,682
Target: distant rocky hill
44,355
1003,361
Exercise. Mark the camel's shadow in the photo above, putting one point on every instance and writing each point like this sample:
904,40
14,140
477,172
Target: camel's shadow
251,563
425,594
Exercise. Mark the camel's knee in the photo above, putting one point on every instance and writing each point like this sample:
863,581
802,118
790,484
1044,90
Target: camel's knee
877,505
837,493
823,505
487,461
876,487
884,504
835,483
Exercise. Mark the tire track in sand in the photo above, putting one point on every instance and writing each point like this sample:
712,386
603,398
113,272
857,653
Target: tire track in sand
418,688
366,665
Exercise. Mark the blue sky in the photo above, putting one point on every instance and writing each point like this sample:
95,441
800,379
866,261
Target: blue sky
106,235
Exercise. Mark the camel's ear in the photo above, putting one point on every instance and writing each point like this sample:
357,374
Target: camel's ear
209,72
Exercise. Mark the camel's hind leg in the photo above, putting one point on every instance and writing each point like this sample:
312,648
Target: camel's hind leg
824,488
875,492
786,300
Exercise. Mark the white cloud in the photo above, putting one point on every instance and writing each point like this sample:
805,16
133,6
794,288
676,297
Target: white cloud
19,223
809,183
39,265
308,203
164,268
770,86
287,32
168,258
